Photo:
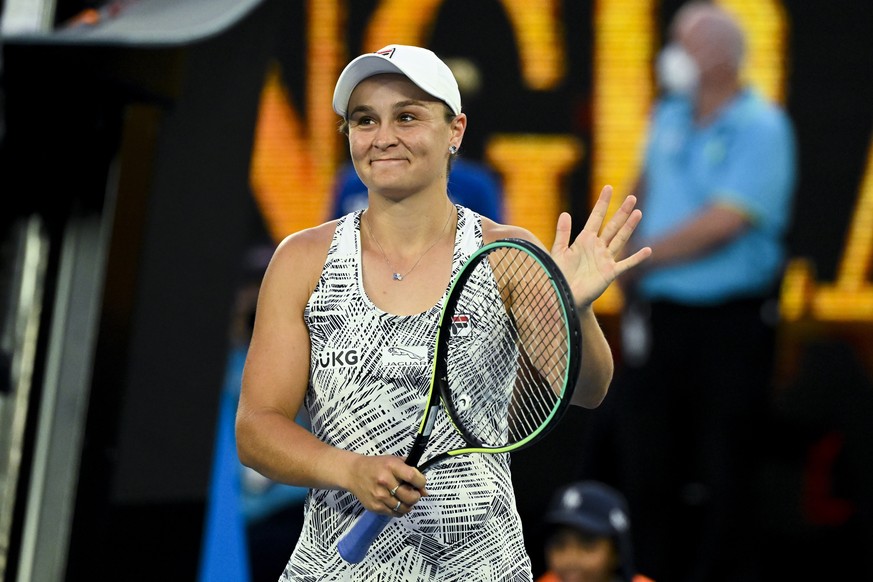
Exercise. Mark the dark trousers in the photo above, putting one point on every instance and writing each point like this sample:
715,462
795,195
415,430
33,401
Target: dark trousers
688,420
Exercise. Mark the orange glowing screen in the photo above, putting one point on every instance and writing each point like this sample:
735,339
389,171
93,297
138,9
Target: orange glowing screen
294,159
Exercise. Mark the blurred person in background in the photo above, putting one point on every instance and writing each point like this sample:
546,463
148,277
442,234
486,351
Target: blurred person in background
273,512
587,536
698,334
252,521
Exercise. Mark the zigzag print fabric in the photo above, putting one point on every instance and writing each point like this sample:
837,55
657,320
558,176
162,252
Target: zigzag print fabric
370,372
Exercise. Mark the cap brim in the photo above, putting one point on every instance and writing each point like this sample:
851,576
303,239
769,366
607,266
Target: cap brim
586,524
359,69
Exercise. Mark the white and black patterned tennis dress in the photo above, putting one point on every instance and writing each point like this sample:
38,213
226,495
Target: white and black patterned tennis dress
370,371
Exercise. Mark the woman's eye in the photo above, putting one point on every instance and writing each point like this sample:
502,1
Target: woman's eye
406,117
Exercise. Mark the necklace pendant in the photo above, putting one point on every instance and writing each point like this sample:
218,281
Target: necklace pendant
397,277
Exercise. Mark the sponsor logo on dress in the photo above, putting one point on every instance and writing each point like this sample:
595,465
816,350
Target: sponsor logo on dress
338,358
404,355
462,325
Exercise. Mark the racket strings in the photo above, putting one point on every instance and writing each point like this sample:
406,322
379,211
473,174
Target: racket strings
519,353
543,325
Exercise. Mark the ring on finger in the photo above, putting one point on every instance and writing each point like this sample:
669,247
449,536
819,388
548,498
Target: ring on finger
396,507
393,492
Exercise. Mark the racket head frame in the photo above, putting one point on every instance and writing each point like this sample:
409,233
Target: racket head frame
439,378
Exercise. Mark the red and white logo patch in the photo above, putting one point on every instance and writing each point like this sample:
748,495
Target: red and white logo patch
462,325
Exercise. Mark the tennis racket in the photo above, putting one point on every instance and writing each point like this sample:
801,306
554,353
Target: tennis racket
506,359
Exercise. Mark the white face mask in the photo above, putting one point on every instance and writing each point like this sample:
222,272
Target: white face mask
677,72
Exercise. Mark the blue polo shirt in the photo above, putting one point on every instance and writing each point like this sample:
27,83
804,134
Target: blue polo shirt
745,158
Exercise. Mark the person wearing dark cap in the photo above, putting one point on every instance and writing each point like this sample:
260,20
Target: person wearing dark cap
588,537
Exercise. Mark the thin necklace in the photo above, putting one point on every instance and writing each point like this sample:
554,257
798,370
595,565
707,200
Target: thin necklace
396,274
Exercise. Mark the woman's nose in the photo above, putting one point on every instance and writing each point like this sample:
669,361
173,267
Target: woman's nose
385,137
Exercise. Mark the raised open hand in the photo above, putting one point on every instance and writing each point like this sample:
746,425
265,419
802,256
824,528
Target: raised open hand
593,260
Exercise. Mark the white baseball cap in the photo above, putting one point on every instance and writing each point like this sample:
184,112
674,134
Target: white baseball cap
419,65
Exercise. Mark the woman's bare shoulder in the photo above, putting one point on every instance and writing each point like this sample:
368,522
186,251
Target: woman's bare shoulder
308,240
300,257
492,231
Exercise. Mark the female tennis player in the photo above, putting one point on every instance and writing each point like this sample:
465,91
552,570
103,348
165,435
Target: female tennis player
346,323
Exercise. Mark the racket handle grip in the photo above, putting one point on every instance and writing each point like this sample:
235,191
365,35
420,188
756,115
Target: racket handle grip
354,544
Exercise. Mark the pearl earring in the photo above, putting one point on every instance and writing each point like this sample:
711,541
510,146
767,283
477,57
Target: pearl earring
453,149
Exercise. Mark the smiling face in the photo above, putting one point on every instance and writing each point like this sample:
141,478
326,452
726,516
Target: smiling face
399,136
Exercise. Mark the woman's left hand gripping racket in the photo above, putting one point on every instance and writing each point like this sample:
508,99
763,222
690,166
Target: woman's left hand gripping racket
505,364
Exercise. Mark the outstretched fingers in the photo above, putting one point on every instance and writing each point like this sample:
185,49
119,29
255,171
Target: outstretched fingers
629,224
622,224
619,229
598,213
633,260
